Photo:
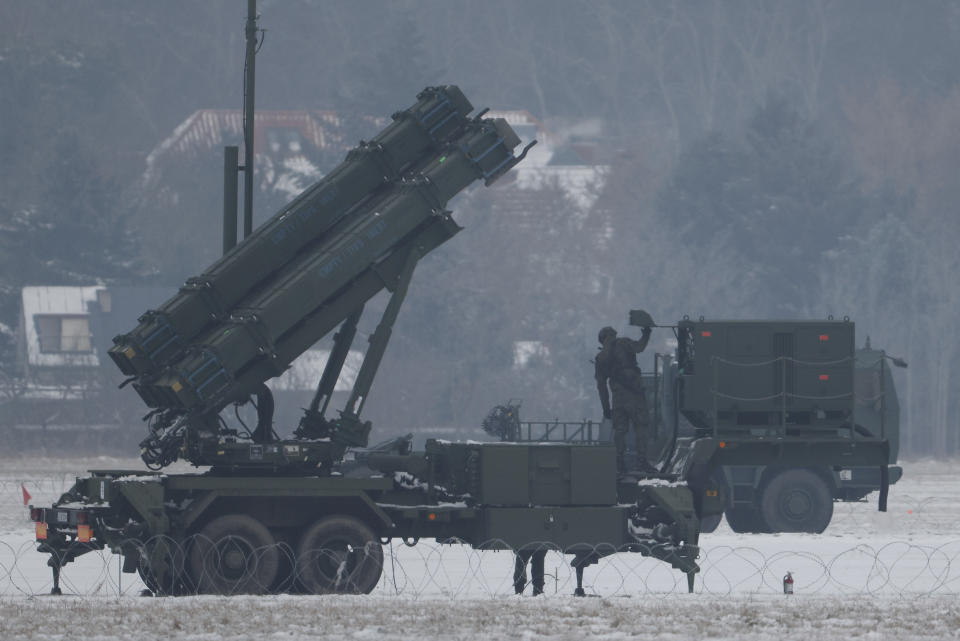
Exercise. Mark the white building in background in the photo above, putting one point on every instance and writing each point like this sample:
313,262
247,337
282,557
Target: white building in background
63,337
55,326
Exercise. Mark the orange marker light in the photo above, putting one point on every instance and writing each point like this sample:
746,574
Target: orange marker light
84,533
723,443
431,517
41,531
824,377
706,334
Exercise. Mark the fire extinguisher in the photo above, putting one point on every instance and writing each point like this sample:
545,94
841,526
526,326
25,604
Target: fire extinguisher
788,584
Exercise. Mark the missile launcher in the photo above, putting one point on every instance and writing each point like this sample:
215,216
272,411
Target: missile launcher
416,135
310,268
205,372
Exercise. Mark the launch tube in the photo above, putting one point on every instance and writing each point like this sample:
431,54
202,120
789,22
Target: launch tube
415,134
204,375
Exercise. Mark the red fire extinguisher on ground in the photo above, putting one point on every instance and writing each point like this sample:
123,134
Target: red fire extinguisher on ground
788,584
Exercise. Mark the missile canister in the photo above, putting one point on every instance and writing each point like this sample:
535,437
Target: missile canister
415,134
204,376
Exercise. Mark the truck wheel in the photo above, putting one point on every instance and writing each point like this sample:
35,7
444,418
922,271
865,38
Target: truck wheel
161,566
710,523
745,520
234,554
339,554
797,501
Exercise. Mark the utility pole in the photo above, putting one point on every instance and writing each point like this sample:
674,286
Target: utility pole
231,164
249,87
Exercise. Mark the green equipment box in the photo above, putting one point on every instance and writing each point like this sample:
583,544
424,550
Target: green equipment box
514,474
766,374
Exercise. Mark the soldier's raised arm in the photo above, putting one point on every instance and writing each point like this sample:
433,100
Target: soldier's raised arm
640,345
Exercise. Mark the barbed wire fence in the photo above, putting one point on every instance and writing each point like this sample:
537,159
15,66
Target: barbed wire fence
457,571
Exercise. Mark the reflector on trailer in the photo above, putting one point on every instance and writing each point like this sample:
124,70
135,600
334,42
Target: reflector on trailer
84,533
41,531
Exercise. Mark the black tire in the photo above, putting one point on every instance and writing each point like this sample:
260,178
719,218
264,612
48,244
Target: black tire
710,523
339,555
797,501
234,554
745,520
161,564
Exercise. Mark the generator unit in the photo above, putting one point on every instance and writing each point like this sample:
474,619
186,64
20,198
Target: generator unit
767,378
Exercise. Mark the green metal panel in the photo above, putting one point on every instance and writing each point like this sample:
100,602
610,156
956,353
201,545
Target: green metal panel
207,490
504,475
147,498
550,475
594,474
528,474
802,453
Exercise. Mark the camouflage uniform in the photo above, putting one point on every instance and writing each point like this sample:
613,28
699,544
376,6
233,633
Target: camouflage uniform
617,369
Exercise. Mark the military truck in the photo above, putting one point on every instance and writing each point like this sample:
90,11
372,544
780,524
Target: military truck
296,514
771,380
802,379
762,498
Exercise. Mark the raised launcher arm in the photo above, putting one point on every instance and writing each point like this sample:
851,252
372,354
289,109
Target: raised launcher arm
416,135
214,344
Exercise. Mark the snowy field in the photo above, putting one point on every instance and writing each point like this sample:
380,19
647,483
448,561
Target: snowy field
872,575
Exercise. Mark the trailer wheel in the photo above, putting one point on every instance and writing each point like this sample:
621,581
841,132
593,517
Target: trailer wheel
797,501
745,520
339,554
234,554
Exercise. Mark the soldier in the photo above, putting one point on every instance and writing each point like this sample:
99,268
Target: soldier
617,372
535,558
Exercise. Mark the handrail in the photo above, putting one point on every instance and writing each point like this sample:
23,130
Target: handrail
557,431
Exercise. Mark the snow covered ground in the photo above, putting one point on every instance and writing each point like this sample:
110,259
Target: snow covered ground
871,575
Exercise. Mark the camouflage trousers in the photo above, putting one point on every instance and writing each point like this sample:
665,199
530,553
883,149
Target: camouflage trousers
630,409
535,559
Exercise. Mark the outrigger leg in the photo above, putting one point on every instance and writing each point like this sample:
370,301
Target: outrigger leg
579,591
579,562
690,577
56,567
